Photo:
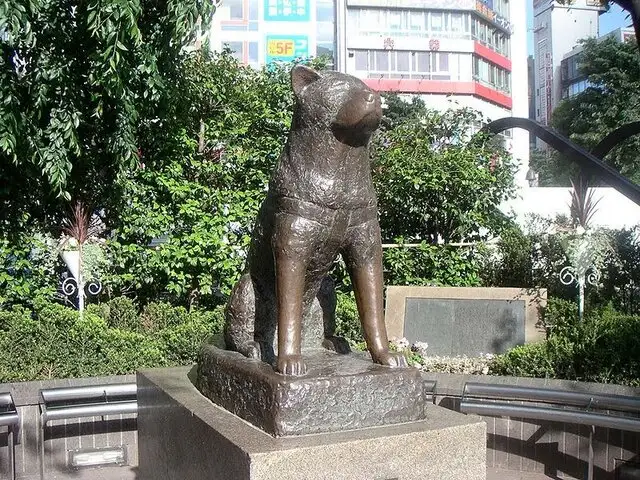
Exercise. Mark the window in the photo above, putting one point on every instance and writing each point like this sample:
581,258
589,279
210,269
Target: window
403,61
443,62
436,21
416,20
457,23
253,52
395,20
324,32
237,50
253,10
324,12
362,60
236,9
422,62
382,61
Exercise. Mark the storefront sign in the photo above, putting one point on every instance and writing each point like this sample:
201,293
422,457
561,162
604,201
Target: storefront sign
285,48
286,10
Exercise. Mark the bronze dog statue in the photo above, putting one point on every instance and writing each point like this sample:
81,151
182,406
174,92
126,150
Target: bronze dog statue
320,203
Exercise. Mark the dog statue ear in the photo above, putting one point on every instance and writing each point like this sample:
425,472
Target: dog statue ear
301,77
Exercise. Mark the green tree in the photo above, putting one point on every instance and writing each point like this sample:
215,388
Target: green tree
202,177
77,79
611,100
437,183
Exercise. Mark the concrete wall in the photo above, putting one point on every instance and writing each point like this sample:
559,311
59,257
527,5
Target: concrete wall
557,449
64,435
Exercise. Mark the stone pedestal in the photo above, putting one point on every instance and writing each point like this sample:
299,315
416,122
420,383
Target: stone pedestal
182,434
339,392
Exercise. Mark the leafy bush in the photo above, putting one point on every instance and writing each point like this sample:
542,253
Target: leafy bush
27,269
157,316
119,312
601,348
347,319
431,265
53,341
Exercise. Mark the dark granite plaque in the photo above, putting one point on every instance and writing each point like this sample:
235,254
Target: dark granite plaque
465,326
339,392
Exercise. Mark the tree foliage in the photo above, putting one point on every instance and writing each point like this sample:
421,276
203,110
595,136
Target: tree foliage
612,99
77,80
437,183
203,174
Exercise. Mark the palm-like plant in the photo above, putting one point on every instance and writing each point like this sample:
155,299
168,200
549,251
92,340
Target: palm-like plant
79,228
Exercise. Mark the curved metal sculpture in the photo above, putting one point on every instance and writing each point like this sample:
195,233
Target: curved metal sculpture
616,137
585,159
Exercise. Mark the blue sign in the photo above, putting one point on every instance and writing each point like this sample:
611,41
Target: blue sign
286,10
285,48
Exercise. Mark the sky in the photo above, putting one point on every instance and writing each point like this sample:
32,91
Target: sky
614,18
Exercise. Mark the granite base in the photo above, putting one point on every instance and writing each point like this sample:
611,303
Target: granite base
182,435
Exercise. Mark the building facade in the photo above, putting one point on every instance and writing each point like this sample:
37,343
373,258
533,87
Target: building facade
557,29
572,79
263,31
470,51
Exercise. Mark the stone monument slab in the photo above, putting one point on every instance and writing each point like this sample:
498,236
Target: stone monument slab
339,392
182,435
465,320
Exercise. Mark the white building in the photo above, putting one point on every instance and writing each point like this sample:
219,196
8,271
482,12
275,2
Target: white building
557,29
471,51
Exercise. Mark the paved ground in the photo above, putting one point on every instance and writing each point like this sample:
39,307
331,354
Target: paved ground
129,474
496,474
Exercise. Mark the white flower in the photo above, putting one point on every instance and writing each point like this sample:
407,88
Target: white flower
401,343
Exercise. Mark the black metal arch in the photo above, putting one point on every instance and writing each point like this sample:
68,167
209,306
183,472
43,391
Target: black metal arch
565,146
619,135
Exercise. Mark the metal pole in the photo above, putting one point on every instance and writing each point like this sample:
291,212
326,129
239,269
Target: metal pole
12,453
581,297
592,430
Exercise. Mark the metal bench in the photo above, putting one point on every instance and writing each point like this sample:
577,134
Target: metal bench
9,418
608,411
429,387
83,402
88,401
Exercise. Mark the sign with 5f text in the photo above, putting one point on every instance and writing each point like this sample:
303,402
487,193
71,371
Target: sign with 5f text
285,48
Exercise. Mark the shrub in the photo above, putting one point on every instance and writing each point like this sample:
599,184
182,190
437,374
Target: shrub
347,319
119,312
158,315
182,342
53,341
27,269
601,348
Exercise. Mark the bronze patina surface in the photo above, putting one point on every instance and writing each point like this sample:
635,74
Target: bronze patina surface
321,203
339,392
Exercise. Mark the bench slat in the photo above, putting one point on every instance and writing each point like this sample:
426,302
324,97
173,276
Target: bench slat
548,395
6,400
9,419
88,392
95,410
501,409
